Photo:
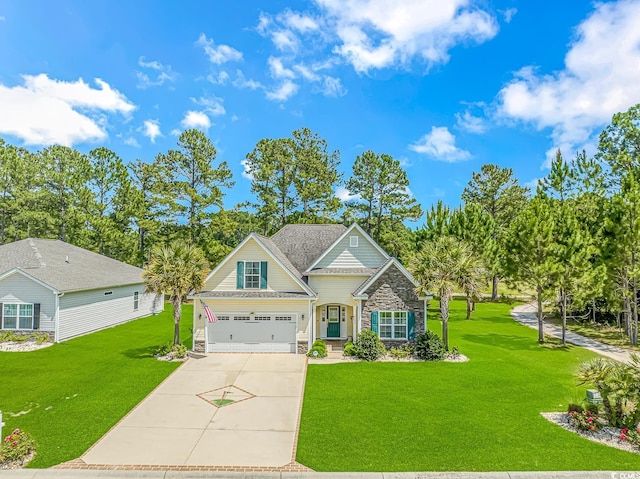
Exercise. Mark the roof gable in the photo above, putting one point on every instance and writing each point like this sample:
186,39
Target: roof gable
342,254
257,248
391,262
303,244
65,267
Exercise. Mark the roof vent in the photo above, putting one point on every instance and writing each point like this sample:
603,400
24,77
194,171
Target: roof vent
66,259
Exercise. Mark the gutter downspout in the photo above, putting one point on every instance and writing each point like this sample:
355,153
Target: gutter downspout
56,323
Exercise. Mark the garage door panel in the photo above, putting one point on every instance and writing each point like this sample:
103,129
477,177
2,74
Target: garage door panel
259,333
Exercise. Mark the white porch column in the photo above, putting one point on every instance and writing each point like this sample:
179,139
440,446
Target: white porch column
359,316
311,328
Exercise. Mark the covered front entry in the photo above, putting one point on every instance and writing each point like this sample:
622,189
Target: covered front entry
249,332
335,321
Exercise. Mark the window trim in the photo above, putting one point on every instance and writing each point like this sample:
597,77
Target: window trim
393,324
136,300
254,276
17,316
353,241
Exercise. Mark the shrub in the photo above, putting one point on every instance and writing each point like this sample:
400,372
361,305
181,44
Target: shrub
574,408
631,435
619,387
17,446
402,352
368,346
172,351
41,338
585,421
322,352
349,349
429,347
319,343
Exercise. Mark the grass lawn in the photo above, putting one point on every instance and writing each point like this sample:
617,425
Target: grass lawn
483,415
68,395
600,332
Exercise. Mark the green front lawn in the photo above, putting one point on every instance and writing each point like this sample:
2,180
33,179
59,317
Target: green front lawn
483,415
600,332
68,395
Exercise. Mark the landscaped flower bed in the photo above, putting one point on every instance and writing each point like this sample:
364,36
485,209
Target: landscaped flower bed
16,450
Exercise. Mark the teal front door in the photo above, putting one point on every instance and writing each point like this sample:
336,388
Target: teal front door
333,326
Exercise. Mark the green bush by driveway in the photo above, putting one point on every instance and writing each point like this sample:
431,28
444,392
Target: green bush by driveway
483,415
69,394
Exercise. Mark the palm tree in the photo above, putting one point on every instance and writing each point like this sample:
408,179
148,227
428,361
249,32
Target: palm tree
177,269
442,265
472,278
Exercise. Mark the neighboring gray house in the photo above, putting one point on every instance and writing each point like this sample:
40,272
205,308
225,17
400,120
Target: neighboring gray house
52,286
307,282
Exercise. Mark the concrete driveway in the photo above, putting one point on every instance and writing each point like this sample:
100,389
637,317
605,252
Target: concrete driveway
220,410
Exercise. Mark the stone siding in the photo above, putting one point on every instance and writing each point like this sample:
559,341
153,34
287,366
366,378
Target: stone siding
303,347
393,292
198,347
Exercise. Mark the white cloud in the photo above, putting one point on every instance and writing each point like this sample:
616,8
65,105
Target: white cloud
151,129
245,170
131,141
332,86
218,54
196,119
176,132
343,194
241,82
283,92
46,111
471,123
306,72
162,74
221,79
383,33
278,70
440,145
509,13
600,78
213,105
298,22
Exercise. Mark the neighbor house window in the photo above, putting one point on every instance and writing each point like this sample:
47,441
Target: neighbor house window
252,274
17,316
393,324
136,300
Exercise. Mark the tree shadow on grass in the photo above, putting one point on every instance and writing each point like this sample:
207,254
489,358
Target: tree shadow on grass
513,343
140,353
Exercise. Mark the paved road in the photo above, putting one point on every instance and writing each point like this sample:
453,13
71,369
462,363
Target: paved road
526,314
179,424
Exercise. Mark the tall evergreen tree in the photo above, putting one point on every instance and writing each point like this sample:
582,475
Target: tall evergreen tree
498,193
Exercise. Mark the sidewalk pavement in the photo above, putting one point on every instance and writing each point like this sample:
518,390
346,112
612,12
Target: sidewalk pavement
67,474
526,314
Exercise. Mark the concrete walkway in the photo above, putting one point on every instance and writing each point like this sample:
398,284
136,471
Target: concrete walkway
219,410
58,474
526,314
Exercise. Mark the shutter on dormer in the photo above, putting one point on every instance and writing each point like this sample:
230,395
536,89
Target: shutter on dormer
240,275
263,275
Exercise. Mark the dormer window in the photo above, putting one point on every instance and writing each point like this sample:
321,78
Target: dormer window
353,241
252,275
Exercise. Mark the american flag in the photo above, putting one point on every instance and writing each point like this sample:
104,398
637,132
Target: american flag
210,316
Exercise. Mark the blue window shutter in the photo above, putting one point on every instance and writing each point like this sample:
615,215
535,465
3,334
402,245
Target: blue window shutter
263,275
374,321
240,277
1,313
411,320
36,316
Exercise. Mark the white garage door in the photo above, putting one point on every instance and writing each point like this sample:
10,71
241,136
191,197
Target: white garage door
253,333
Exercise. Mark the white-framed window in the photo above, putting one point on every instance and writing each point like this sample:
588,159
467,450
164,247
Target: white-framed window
136,300
353,241
392,324
17,316
251,274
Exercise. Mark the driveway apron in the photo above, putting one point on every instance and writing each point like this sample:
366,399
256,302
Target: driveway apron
219,410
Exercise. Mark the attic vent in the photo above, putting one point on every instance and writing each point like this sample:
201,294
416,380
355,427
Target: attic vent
353,241
107,293
66,259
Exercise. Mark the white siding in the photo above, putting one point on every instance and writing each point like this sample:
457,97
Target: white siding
256,306
83,312
333,289
343,255
18,288
277,278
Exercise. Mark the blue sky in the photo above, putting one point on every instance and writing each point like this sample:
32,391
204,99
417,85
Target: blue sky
444,86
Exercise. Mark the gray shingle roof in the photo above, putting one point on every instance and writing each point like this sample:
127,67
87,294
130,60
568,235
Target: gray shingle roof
338,271
303,244
250,294
273,247
65,267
